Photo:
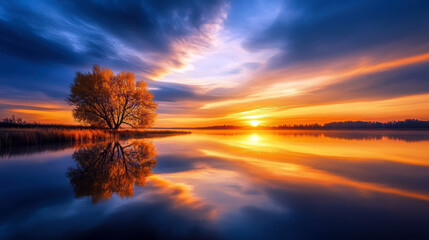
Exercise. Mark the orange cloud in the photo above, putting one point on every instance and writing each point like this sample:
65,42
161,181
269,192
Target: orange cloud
295,85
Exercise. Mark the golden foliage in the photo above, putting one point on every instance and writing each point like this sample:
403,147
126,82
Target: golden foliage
103,99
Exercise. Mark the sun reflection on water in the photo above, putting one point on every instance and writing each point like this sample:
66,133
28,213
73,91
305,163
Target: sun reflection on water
254,138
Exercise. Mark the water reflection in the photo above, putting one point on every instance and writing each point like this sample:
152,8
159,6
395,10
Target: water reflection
7,152
224,185
115,167
402,135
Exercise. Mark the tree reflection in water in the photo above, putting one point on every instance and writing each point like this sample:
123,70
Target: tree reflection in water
110,168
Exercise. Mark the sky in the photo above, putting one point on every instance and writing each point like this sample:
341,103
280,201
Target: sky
216,62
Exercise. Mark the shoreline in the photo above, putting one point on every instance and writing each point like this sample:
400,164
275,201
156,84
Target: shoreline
14,137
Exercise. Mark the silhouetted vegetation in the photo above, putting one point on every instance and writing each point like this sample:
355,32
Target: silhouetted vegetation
10,137
360,134
18,122
407,124
14,120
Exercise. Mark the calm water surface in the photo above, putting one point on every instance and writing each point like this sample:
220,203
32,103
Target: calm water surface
221,185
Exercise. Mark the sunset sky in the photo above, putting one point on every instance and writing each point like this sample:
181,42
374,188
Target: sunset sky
223,62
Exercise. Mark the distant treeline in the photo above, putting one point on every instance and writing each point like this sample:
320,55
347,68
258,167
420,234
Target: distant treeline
406,124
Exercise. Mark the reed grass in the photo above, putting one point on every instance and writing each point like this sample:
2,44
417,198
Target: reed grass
20,136
12,137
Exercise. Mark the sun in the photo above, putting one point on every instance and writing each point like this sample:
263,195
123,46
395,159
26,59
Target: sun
254,123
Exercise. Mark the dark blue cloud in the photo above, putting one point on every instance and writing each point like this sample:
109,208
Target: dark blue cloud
27,33
43,43
319,29
18,40
148,24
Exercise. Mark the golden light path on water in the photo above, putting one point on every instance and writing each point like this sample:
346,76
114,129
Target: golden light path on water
348,164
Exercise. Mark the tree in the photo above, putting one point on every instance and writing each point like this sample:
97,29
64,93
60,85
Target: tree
104,169
103,99
14,120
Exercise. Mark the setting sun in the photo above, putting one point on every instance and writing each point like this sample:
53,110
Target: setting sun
254,123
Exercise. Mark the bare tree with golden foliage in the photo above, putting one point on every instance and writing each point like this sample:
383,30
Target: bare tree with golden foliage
103,99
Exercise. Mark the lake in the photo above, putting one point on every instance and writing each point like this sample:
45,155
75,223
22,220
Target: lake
221,185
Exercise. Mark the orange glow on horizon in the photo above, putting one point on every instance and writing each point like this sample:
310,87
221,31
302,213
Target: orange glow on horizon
45,116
